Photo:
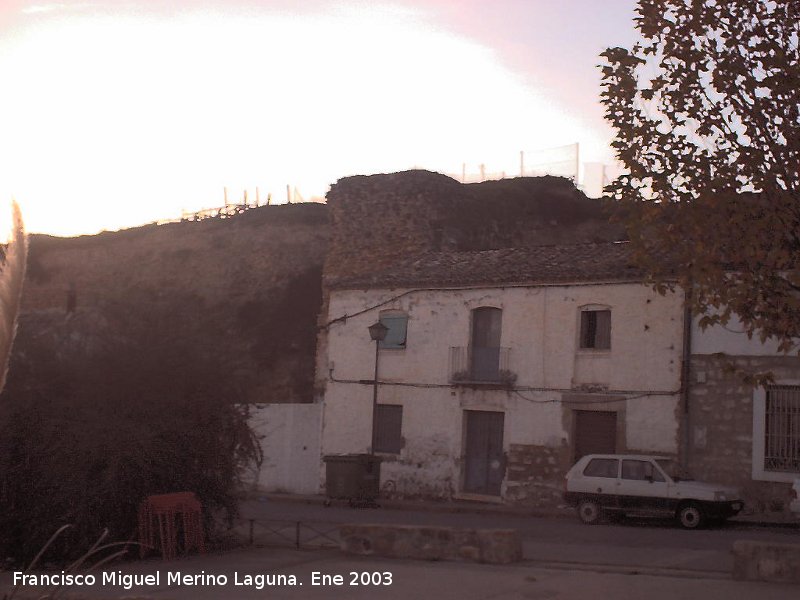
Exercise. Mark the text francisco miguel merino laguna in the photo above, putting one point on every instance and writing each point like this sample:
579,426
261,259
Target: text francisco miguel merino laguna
128,581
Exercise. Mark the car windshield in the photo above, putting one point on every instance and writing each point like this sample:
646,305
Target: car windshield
675,471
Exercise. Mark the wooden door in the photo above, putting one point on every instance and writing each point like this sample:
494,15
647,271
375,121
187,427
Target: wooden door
595,432
484,467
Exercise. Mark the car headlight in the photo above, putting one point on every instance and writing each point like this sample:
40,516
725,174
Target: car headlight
720,496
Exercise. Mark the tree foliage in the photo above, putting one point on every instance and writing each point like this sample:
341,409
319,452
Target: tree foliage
280,329
98,415
706,107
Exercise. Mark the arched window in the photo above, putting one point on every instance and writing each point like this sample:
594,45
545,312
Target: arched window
485,343
595,333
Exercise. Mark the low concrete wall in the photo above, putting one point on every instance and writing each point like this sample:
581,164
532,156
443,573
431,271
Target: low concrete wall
498,546
763,561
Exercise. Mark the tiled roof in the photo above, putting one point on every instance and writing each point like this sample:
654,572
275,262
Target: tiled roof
604,262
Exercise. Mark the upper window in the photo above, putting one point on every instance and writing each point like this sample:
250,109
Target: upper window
397,324
596,329
782,429
485,345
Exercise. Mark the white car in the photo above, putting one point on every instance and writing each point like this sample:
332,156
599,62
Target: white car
639,485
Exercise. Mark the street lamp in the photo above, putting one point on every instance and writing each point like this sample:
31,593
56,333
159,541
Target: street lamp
377,332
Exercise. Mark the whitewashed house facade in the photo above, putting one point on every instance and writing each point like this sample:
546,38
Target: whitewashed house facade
501,367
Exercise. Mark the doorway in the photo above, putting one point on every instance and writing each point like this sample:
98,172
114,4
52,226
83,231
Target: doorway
484,466
485,343
595,432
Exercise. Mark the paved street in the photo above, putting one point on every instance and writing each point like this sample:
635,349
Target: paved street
563,560
555,541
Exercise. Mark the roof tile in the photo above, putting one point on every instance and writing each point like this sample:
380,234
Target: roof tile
611,261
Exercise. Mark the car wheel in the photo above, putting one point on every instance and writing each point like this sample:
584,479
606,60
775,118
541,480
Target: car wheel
589,512
691,516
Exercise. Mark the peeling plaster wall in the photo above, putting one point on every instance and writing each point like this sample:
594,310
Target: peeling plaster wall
646,421
541,326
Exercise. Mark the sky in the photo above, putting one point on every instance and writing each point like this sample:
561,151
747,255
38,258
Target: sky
116,113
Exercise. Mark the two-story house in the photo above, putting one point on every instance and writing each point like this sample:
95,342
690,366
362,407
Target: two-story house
501,367
505,359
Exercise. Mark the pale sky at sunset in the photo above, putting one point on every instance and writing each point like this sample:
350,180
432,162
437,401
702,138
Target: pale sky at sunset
116,113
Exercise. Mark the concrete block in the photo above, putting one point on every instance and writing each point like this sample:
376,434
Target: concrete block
495,546
764,561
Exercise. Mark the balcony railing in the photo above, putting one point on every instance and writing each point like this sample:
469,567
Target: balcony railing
481,366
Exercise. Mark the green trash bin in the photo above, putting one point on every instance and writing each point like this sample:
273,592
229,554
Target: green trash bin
353,477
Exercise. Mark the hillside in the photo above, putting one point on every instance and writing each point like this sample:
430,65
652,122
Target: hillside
245,289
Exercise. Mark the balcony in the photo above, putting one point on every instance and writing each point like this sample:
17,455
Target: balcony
481,366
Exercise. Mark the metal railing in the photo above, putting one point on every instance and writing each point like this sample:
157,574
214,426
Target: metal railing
782,443
299,534
473,365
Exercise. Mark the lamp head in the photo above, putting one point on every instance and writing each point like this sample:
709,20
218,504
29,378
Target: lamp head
378,331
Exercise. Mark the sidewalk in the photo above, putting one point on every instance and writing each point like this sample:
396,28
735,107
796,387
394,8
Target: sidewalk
786,520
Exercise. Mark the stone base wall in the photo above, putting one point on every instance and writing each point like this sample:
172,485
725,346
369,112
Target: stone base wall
496,546
720,435
762,561
535,475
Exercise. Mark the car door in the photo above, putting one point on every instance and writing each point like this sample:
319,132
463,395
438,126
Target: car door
599,480
642,486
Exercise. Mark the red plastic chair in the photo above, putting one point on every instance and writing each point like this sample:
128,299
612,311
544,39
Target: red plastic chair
159,517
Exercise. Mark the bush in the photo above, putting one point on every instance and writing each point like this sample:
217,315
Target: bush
96,417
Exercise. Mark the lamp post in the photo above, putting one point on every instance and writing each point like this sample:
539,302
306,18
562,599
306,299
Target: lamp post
377,332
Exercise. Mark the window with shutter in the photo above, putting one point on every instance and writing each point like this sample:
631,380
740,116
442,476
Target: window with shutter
397,325
389,428
595,330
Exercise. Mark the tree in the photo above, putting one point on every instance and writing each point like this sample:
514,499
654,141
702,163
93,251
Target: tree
13,258
706,107
100,413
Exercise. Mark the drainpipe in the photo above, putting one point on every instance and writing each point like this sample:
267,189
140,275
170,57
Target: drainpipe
685,378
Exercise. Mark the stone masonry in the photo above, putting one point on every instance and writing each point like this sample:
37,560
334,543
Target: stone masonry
494,546
721,424
535,474
378,219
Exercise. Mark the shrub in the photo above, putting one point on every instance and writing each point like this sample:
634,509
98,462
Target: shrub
96,416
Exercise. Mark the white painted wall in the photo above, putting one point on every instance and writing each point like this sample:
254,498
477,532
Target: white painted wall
731,340
290,441
541,326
